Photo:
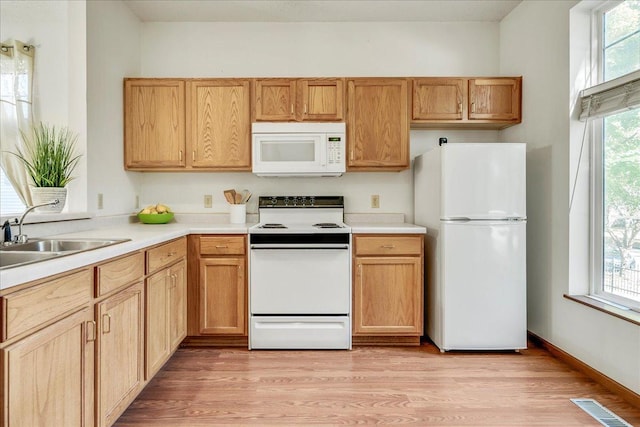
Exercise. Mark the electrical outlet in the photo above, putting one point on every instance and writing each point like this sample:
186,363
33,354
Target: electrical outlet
375,201
100,201
208,200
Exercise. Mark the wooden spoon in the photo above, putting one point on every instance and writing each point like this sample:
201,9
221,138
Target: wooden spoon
230,195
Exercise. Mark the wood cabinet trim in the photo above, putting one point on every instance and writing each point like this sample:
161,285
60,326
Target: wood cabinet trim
119,272
30,309
222,245
165,254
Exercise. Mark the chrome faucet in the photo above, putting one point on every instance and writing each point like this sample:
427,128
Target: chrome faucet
22,238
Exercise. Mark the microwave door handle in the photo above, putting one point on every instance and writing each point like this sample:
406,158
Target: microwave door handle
323,151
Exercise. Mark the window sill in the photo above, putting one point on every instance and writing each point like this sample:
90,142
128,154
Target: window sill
628,315
36,218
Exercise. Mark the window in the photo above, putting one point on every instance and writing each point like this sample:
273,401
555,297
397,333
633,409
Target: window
10,203
616,154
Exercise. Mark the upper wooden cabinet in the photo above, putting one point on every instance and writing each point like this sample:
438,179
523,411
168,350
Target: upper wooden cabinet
200,124
496,99
299,99
377,124
483,103
219,124
438,99
154,123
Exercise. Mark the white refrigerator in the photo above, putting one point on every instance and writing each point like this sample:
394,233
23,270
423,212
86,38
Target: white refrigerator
471,197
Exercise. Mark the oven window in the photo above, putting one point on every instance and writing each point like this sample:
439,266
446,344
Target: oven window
288,151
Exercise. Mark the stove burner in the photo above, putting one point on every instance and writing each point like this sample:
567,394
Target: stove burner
273,226
327,225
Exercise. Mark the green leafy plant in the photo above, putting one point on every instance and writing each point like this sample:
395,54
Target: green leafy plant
48,155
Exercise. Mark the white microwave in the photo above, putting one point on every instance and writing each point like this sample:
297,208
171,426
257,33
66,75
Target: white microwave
298,149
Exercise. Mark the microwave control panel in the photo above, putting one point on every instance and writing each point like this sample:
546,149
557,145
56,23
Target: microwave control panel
335,149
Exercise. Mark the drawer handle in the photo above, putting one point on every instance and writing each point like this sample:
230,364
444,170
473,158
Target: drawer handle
170,254
291,108
221,246
91,330
106,329
388,246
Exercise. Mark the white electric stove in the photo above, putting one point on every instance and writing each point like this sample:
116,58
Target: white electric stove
300,274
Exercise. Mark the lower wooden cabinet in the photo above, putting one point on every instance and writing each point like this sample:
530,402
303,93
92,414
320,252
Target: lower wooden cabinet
222,296
48,376
120,352
388,287
166,315
177,304
217,290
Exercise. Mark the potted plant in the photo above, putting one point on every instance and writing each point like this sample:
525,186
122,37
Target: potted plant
49,159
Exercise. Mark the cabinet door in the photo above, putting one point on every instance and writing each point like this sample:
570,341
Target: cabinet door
157,322
49,375
495,99
321,99
177,304
154,123
120,352
378,124
438,99
387,296
223,296
219,120
275,100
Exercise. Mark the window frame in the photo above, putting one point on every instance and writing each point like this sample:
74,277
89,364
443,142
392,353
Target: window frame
597,137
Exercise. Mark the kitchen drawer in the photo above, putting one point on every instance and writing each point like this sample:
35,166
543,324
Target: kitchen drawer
222,245
387,245
166,254
122,271
28,309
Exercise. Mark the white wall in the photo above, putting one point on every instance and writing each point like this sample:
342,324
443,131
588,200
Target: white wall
535,42
313,49
57,30
113,41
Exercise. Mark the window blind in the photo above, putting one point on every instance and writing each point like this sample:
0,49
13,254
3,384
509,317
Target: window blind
611,97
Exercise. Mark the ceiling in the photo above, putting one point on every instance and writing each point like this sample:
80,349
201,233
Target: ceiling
321,10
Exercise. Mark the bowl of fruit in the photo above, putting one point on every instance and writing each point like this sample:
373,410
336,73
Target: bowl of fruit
155,214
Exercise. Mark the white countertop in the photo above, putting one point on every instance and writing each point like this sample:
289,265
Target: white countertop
386,228
145,235
141,235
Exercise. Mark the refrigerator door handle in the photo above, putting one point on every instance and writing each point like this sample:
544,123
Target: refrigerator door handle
457,219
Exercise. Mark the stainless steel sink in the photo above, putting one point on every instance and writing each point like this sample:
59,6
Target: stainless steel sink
43,249
60,245
17,258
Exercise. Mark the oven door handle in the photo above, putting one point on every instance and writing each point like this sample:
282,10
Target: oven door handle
284,246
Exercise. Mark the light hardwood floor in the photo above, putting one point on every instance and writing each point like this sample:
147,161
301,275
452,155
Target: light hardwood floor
368,385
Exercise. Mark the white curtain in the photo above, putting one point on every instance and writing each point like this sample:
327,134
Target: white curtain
16,99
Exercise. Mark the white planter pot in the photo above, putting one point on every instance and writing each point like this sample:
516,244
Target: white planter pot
41,195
